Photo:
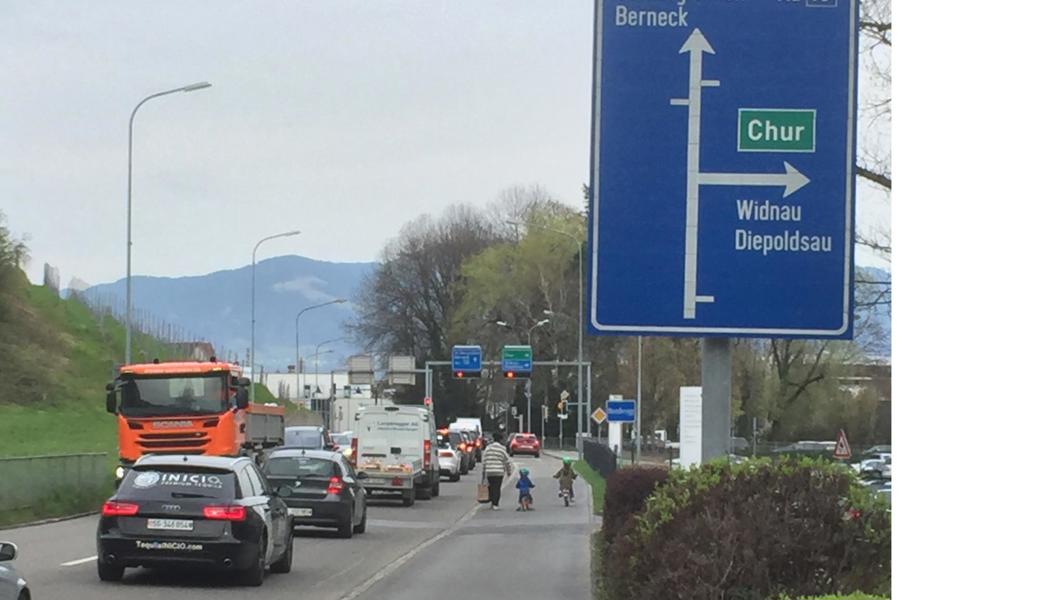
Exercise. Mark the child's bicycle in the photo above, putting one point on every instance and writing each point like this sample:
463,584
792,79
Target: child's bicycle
567,495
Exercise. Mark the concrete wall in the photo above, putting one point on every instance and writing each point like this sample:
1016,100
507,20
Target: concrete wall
27,481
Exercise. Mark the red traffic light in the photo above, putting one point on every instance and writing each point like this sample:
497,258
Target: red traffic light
510,375
458,374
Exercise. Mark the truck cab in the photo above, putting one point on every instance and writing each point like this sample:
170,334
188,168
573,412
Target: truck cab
189,408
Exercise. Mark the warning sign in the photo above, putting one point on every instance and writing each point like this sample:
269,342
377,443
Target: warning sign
599,415
842,450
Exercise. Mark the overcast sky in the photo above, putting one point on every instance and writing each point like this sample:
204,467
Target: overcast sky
344,119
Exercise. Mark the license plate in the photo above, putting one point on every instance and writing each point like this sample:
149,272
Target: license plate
301,512
397,481
171,524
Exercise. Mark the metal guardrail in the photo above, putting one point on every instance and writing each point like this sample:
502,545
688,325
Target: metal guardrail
28,480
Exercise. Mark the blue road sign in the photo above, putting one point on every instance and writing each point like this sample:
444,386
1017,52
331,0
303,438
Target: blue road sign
621,411
466,358
723,168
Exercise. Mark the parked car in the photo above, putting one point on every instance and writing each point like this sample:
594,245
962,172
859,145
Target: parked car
195,510
525,443
326,492
12,585
450,457
315,437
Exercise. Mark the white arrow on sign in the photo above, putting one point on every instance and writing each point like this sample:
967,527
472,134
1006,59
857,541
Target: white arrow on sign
791,179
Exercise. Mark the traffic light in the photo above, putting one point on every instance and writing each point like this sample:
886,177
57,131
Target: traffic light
467,374
510,374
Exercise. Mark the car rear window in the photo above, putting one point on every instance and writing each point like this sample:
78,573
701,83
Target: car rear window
303,439
166,483
299,466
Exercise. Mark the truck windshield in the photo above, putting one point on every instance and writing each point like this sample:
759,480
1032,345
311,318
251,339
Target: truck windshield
174,395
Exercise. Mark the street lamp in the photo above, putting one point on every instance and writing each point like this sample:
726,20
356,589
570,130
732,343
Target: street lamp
252,312
535,326
581,322
296,367
129,196
316,349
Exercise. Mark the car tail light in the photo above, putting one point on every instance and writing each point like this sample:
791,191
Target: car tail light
426,454
224,513
335,486
119,509
353,452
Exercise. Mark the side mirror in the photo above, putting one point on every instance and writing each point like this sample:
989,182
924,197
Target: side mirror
361,475
283,491
242,396
110,398
8,551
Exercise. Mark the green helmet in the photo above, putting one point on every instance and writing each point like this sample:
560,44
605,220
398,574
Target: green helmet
566,461
524,471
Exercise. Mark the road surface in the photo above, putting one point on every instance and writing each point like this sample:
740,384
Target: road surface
449,544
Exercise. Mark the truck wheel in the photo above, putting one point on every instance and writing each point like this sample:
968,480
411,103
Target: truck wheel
424,493
455,476
409,497
437,487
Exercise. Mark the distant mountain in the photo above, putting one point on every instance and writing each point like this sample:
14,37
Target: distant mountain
215,307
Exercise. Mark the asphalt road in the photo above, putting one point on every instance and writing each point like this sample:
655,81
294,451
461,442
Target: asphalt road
448,544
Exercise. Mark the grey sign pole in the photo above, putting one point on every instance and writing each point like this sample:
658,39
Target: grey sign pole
716,369
639,399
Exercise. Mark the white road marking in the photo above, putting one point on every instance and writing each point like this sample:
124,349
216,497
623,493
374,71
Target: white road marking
73,563
390,568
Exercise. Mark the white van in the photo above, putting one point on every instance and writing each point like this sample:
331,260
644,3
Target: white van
396,446
472,425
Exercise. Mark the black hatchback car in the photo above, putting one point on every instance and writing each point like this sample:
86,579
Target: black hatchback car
326,491
195,510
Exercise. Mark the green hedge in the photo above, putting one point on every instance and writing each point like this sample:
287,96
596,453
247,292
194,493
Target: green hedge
754,531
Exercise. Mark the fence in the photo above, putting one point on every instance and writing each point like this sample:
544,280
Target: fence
27,483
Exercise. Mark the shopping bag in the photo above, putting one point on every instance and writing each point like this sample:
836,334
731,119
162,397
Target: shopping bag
483,492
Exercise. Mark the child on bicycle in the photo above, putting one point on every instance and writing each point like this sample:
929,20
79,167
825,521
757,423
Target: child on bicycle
566,475
524,484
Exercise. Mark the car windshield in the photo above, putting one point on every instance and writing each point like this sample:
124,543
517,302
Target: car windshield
303,438
343,439
299,466
455,437
174,395
168,483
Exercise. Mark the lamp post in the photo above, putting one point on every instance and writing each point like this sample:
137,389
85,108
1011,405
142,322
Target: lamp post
581,322
252,312
535,326
316,349
296,367
129,197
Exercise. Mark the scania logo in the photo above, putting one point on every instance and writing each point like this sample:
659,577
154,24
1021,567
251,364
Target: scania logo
171,506
170,424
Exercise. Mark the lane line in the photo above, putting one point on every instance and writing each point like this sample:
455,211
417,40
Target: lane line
73,563
389,569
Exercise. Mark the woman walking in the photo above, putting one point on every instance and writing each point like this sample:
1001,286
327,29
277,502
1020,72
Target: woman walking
497,467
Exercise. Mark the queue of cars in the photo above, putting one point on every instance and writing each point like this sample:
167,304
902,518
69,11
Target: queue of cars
235,515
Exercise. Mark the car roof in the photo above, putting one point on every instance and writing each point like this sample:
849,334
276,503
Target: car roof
282,452
188,460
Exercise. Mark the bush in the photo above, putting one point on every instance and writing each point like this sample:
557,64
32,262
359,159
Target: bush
627,490
753,531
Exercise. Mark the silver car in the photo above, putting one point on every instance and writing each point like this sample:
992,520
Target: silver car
450,458
12,585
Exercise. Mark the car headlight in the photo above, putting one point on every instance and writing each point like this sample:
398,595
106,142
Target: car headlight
120,471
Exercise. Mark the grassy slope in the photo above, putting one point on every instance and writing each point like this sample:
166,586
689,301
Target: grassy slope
58,358
595,481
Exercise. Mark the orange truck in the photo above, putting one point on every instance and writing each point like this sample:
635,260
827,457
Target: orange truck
190,408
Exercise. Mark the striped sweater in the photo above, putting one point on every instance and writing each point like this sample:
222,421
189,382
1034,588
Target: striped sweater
496,460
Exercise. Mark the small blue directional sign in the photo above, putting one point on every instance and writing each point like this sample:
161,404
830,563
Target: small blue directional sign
723,174
621,411
466,359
